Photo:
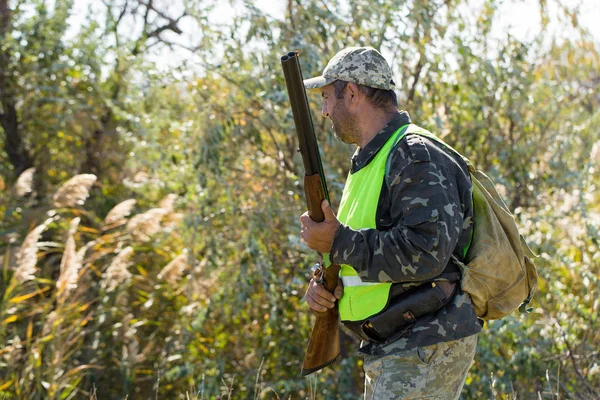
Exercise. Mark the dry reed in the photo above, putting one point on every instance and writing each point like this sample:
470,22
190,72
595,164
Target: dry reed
131,348
173,271
13,350
27,254
70,264
83,250
168,202
144,225
173,220
74,192
120,212
51,320
117,272
24,184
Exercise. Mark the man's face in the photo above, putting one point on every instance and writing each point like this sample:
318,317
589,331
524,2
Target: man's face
344,122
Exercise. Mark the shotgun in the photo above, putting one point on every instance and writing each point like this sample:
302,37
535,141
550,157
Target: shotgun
324,345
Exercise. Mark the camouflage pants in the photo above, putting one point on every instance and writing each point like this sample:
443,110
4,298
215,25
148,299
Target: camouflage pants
434,372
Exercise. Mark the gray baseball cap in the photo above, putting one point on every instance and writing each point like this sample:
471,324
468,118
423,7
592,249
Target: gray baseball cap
362,65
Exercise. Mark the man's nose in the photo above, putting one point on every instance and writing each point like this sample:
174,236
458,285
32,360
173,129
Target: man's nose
324,111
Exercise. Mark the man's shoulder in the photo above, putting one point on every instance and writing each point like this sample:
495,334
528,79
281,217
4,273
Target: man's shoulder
415,148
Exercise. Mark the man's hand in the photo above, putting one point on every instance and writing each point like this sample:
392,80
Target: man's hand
319,299
319,235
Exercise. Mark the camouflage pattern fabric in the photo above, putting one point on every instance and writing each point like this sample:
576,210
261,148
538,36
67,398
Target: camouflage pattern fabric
362,65
436,372
424,215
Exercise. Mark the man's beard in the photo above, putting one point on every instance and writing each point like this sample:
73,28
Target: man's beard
345,127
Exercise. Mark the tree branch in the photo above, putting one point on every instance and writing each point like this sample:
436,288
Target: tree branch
122,14
172,25
384,27
571,355
291,14
416,75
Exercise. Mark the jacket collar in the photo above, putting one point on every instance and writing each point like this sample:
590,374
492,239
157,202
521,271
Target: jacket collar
362,157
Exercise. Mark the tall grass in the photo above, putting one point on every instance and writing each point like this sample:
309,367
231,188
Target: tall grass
75,292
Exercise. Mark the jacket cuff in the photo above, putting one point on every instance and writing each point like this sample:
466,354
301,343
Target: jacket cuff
342,238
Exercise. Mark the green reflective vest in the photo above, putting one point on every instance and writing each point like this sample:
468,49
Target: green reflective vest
357,210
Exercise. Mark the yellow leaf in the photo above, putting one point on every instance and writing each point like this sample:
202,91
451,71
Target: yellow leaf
47,338
6,385
29,330
46,281
85,306
162,253
10,319
88,229
203,348
145,371
141,270
28,295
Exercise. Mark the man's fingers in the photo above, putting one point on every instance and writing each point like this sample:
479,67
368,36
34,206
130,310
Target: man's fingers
314,303
319,298
305,219
322,292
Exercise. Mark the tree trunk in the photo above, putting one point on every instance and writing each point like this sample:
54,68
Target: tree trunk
14,146
13,142
93,153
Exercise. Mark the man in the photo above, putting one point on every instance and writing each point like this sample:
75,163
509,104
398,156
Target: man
406,211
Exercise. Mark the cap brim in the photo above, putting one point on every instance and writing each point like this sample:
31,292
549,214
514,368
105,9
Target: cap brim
317,82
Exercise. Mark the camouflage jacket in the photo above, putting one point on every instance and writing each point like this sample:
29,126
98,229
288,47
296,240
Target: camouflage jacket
424,215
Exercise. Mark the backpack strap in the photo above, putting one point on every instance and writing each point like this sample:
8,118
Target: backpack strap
413,129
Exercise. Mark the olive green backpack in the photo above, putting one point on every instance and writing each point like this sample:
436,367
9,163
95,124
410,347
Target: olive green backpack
498,272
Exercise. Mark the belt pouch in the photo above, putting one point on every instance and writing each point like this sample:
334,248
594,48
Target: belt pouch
404,310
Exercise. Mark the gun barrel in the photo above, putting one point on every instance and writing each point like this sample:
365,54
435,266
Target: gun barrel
301,112
307,139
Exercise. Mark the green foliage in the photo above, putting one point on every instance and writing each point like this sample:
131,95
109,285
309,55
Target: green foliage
199,293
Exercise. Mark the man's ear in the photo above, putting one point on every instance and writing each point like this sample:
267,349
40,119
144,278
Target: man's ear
353,93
